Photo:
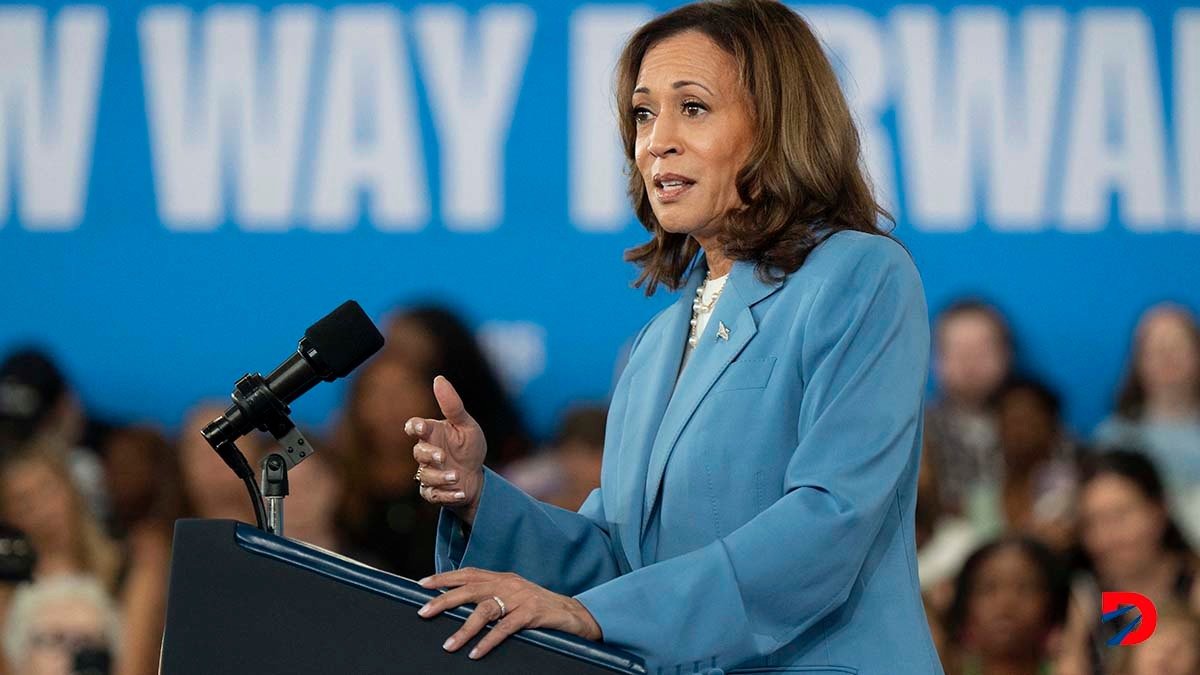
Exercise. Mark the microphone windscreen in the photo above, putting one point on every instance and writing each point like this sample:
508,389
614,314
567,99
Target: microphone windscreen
344,338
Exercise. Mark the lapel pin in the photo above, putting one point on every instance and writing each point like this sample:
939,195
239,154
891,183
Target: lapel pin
722,331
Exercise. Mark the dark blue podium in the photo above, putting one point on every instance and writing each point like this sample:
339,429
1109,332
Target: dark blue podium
244,601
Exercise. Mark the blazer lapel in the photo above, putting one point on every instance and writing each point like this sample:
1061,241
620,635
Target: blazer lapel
713,353
652,387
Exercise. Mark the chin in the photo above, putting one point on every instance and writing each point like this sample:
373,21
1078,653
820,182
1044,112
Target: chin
675,224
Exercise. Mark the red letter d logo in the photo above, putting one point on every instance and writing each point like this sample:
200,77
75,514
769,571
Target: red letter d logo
1116,603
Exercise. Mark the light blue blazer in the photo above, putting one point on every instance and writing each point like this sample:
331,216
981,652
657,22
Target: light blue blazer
757,515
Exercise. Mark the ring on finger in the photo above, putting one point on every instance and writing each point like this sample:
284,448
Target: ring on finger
417,477
503,609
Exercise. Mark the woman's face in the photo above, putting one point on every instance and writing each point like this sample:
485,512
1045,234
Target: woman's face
694,132
1121,529
972,359
1167,355
1026,427
1008,604
37,501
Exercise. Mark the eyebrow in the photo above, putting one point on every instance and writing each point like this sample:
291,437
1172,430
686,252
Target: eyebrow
676,85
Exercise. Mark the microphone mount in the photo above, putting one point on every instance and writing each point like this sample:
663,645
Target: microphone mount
267,412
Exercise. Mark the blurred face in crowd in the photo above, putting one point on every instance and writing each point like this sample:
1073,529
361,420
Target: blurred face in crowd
59,630
1172,650
1122,530
211,487
391,390
39,501
410,340
972,357
694,132
1008,606
1168,358
131,471
1027,428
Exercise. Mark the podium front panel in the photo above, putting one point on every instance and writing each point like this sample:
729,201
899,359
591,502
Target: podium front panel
244,601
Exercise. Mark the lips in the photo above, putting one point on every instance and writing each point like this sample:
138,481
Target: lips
669,187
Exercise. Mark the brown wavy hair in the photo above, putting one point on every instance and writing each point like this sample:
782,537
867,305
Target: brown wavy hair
803,179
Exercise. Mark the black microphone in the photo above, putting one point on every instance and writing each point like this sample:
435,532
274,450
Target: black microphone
330,349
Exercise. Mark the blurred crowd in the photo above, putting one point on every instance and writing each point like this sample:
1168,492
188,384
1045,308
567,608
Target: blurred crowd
1021,522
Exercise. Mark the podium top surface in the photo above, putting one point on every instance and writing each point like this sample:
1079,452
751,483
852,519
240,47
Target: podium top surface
346,571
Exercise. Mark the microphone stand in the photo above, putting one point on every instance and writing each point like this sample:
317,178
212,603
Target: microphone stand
256,400
293,449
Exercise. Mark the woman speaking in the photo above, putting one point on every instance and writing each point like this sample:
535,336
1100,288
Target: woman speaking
760,462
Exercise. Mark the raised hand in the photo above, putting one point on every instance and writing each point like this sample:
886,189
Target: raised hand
450,453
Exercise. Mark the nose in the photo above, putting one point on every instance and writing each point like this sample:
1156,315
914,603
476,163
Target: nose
664,137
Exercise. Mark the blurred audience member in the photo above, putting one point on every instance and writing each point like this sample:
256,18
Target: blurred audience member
1158,407
436,342
1035,493
38,497
944,541
316,489
1009,606
142,479
565,473
52,621
1130,543
39,410
973,355
381,511
16,567
144,485
210,488
1174,649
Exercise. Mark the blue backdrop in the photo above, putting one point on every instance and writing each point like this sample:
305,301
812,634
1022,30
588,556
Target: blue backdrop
184,188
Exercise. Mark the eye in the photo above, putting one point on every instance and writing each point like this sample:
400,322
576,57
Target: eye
693,108
641,114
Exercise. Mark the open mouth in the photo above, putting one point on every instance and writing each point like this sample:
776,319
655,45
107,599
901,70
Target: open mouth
668,187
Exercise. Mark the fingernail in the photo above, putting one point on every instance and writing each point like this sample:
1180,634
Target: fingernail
437,457
448,644
420,427
474,654
451,476
424,611
460,495
424,582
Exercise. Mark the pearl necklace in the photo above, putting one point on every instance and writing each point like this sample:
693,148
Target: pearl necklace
700,307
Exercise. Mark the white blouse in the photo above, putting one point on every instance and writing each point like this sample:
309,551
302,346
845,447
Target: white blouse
711,288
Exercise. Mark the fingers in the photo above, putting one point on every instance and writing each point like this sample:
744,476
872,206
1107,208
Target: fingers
438,478
455,597
443,496
482,587
456,578
505,627
422,428
427,454
486,610
449,401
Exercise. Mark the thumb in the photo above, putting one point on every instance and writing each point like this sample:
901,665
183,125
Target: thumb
449,401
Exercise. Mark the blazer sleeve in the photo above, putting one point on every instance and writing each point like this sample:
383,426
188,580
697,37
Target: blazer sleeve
864,360
557,549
